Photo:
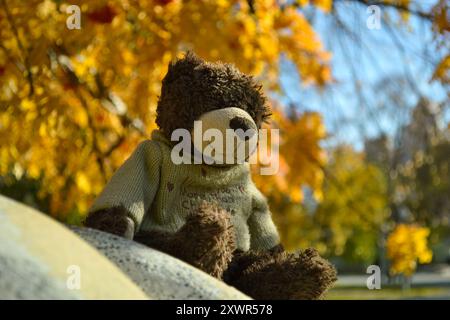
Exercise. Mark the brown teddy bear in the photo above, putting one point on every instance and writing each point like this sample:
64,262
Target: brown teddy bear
209,214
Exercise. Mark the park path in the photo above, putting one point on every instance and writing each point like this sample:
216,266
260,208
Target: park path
441,278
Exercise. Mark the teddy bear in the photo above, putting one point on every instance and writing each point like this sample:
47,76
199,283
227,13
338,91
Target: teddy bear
208,214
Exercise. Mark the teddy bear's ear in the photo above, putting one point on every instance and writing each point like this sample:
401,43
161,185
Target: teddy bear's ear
184,65
192,57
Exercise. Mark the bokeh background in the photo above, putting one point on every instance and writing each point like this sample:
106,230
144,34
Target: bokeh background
359,91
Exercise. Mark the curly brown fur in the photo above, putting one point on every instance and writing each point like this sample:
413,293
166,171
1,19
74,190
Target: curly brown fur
113,220
282,275
243,260
193,87
206,240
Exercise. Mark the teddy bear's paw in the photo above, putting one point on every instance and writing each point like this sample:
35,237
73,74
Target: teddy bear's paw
210,217
208,239
113,220
312,275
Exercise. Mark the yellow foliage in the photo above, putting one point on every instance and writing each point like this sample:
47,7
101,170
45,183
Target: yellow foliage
300,158
83,182
407,246
325,5
441,28
442,71
353,208
75,103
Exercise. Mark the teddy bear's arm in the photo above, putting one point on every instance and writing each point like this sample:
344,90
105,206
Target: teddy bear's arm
129,193
263,232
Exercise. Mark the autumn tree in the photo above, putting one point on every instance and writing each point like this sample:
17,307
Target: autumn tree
407,247
75,102
348,220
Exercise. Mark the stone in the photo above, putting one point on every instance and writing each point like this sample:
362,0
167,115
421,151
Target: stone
158,274
42,259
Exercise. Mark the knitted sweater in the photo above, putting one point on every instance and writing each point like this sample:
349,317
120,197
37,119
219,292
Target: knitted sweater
159,194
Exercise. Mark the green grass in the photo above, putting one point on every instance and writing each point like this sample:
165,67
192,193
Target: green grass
355,293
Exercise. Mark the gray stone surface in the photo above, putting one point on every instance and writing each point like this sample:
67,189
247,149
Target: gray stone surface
38,256
36,253
157,274
22,275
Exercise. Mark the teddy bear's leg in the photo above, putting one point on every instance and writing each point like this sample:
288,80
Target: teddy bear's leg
278,274
206,241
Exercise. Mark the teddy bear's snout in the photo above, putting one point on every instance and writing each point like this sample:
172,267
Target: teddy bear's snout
233,138
241,123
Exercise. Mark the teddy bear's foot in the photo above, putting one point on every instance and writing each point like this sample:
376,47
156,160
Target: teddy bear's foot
206,240
282,275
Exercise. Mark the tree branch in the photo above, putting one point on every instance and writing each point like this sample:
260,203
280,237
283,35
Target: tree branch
103,94
24,54
95,146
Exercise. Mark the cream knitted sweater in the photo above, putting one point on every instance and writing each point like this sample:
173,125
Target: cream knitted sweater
160,194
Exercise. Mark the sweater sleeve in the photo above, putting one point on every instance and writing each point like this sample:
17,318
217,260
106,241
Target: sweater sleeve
263,232
134,184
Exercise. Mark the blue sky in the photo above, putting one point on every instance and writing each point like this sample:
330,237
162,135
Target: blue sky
404,52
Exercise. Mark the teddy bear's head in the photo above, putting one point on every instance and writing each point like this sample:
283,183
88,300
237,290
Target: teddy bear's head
217,94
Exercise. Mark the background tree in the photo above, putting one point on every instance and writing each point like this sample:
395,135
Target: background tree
74,103
347,221
407,247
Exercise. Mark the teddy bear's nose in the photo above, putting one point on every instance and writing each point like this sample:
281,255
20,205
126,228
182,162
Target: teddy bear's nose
241,123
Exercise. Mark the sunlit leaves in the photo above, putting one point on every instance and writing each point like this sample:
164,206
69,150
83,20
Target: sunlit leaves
74,103
355,203
441,28
442,71
407,246
347,220
300,157
325,5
